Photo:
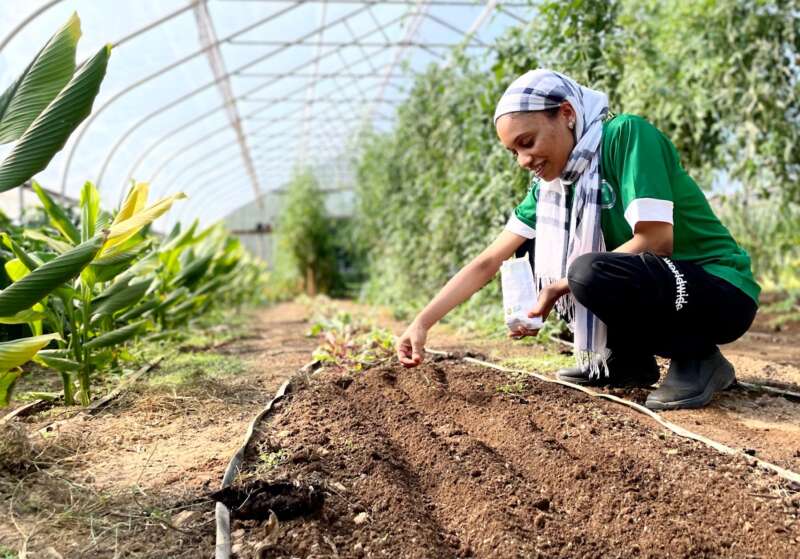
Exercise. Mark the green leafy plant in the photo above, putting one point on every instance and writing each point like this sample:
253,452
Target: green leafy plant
90,281
306,259
46,103
717,77
351,344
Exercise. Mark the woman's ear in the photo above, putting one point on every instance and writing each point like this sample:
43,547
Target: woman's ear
568,113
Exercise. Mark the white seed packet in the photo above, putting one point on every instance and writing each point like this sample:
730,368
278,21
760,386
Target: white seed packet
519,293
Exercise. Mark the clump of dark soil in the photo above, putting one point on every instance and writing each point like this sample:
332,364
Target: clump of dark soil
450,460
256,499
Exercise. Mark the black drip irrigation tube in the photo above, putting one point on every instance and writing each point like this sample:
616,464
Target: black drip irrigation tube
223,523
788,475
222,513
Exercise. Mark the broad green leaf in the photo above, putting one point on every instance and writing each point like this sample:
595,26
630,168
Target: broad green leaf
59,246
58,217
121,231
23,317
139,310
184,238
107,268
117,336
31,261
90,210
7,381
41,81
16,270
193,271
65,353
122,299
173,297
58,363
33,287
49,131
17,352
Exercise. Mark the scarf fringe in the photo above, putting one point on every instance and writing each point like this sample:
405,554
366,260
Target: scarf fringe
597,363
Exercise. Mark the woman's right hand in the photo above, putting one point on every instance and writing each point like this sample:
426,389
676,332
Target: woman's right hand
411,345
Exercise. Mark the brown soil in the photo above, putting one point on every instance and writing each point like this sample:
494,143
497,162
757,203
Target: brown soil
441,461
132,481
448,460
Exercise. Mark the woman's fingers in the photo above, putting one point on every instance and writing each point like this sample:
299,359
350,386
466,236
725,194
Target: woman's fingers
522,332
408,355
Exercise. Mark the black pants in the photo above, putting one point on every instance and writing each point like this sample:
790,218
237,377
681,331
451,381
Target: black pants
659,306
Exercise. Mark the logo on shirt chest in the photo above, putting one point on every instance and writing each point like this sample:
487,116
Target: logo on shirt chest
608,198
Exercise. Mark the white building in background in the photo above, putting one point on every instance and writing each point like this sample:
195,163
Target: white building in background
256,225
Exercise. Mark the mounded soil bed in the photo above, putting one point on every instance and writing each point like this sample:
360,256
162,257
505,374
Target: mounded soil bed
456,460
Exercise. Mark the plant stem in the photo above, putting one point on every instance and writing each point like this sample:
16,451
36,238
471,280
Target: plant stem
85,371
66,380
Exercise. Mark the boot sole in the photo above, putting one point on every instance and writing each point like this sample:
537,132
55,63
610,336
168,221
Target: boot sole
722,379
583,381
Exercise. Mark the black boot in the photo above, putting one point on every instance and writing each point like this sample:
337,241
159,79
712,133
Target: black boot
623,371
691,383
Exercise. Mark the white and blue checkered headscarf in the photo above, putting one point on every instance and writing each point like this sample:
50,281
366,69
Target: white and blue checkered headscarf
563,234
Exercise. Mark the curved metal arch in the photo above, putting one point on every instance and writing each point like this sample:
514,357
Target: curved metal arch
163,70
201,117
209,154
21,25
261,156
258,157
194,92
202,192
208,36
205,192
195,120
254,134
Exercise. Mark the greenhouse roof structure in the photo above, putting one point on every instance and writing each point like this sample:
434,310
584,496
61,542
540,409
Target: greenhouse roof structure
221,99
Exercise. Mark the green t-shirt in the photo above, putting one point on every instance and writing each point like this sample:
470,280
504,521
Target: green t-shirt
643,180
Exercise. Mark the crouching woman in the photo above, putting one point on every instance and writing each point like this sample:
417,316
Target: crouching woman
627,248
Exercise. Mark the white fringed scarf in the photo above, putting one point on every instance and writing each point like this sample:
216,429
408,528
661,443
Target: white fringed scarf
563,235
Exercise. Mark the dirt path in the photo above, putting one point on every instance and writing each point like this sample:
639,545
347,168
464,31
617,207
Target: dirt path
115,485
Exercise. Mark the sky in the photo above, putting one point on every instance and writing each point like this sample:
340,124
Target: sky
299,92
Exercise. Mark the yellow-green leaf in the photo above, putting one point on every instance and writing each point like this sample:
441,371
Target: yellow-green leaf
59,246
134,202
16,270
58,217
17,352
122,231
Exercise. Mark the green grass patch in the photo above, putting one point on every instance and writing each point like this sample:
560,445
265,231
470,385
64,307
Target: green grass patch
187,368
7,553
546,363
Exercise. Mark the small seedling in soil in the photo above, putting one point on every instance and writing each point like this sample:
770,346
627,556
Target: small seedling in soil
351,344
515,388
270,460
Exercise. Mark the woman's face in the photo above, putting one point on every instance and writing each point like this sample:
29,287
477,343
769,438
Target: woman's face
540,143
